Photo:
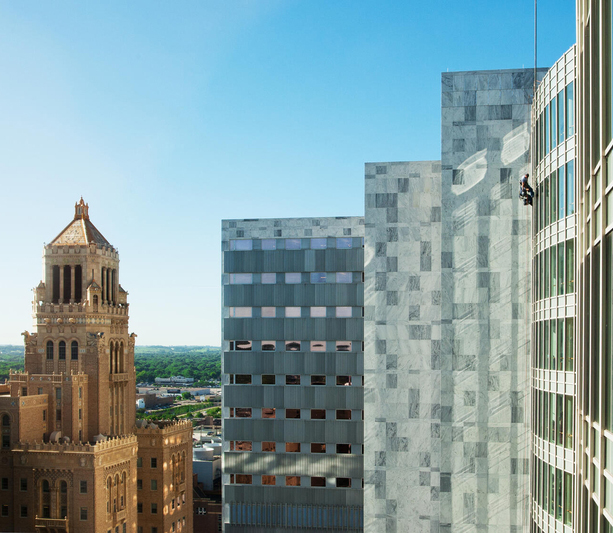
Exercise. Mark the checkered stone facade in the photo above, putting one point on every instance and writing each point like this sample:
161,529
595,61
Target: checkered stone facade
447,292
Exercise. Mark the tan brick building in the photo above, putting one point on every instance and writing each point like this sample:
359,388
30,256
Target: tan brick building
71,454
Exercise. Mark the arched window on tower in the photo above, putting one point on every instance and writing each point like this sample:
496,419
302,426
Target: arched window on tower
74,350
56,284
116,358
49,349
109,491
78,283
45,499
122,365
67,282
123,498
95,302
115,493
6,433
62,350
63,499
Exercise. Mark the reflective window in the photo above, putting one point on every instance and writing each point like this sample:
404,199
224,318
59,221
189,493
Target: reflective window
292,481
554,122
292,244
570,110
292,312
269,480
242,412
240,312
292,447
318,346
292,379
561,128
318,482
318,244
241,245
269,277
343,380
241,278
570,188
268,346
547,137
242,379
570,265
293,277
268,446
343,346
560,248
292,413
343,312
268,412
343,242
243,479
343,414
343,482
269,244
318,414
344,277
318,312
318,277
269,312
268,379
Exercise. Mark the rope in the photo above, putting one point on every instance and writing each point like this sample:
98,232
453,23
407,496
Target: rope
535,35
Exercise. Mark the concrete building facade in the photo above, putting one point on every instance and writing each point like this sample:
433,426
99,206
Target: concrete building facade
292,374
594,338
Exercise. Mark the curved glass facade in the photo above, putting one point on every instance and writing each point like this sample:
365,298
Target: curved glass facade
554,298
594,444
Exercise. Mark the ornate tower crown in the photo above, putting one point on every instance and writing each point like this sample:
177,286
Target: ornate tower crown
81,210
80,231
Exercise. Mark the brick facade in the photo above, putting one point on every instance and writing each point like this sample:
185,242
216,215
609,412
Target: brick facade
69,452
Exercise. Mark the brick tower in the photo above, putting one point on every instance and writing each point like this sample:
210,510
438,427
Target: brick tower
69,458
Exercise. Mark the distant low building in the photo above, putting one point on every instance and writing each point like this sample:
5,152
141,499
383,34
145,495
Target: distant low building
174,380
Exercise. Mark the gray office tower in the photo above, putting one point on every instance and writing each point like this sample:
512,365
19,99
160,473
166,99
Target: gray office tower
293,397
447,320
447,300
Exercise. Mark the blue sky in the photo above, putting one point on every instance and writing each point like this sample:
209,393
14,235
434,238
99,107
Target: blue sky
170,116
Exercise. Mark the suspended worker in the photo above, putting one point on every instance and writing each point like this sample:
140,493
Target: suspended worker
526,193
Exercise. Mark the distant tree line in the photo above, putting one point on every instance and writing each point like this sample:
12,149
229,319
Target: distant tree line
203,363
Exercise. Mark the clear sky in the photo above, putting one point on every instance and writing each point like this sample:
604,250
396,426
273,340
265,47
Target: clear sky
170,116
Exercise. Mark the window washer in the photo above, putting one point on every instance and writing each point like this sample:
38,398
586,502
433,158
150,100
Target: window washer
526,193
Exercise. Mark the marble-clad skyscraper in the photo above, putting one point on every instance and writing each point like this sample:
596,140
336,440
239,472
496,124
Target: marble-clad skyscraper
447,301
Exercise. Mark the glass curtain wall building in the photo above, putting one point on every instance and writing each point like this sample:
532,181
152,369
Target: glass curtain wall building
594,426
292,367
554,298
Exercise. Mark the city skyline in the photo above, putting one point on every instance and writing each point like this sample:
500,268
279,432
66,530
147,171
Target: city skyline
150,115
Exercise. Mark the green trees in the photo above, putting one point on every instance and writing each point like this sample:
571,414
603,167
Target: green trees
203,363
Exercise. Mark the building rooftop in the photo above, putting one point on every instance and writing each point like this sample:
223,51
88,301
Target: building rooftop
80,231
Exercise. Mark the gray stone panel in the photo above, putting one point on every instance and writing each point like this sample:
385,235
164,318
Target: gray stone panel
447,289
